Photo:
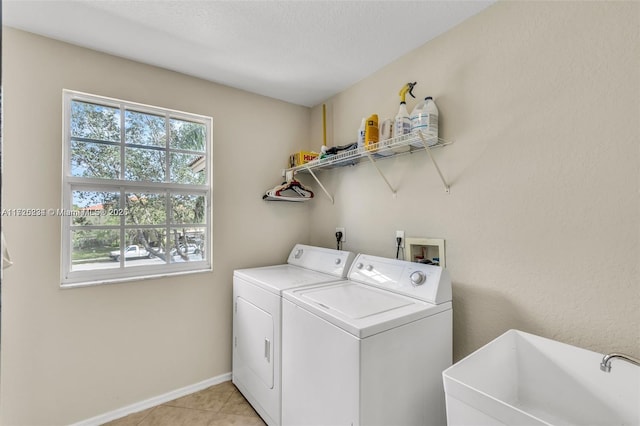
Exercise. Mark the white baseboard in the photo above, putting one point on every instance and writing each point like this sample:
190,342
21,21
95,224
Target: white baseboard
152,402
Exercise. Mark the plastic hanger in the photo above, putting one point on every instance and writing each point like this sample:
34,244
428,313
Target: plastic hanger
291,190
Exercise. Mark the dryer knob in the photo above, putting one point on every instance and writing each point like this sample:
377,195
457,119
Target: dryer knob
338,261
369,268
359,265
417,278
298,254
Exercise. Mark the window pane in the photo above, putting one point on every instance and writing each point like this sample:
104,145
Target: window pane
144,129
95,121
187,135
183,169
144,164
188,209
95,208
95,160
145,209
91,250
187,244
145,247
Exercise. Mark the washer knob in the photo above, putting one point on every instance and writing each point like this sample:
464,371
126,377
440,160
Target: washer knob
338,261
369,268
298,253
359,265
417,278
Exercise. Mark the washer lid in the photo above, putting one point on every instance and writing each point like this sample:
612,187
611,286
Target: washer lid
353,301
360,309
278,278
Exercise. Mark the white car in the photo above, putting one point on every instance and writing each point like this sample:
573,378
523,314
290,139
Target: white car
188,249
131,252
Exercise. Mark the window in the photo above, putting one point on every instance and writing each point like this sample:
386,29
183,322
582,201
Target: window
136,191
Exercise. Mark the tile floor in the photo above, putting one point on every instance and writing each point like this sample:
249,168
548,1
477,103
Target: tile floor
219,405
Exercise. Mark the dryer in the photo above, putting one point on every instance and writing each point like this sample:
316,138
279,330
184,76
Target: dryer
257,301
369,350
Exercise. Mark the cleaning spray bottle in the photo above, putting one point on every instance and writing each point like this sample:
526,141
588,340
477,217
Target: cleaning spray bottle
424,118
402,124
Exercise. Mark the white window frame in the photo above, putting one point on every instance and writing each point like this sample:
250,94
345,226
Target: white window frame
70,278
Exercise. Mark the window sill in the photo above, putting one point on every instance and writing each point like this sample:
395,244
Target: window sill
71,285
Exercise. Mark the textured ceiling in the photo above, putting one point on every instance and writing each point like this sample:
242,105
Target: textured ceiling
297,51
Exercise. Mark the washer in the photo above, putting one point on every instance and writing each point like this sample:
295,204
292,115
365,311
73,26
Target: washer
369,350
257,299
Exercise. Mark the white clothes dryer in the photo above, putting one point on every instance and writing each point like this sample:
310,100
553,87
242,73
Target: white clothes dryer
257,307
369,350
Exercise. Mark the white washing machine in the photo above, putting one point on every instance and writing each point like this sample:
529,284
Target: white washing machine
369,350
257,299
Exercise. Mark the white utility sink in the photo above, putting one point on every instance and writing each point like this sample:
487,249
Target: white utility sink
522,379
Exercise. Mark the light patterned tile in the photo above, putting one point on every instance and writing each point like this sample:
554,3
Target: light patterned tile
236,404
219,405
178,416
234,420
130,420
211,399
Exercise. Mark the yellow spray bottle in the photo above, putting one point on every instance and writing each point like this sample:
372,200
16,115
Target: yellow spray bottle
402,123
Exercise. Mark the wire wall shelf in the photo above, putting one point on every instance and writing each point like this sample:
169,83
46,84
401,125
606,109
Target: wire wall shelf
394,147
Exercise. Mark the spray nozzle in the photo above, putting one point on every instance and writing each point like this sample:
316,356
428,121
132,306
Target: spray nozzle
407,88
411,86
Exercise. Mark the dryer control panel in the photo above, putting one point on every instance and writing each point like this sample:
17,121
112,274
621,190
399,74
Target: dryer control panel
320,259
425,282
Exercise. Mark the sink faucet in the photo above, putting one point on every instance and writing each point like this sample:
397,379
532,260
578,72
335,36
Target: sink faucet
605,365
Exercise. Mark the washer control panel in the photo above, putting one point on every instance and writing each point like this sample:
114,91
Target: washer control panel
425,282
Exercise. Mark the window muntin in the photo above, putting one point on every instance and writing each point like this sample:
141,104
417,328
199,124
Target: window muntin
136,205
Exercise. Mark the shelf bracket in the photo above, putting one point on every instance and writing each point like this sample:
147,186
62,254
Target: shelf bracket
428,149
320,183
393,191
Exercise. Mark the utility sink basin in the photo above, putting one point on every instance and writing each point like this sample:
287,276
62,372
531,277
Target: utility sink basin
522,379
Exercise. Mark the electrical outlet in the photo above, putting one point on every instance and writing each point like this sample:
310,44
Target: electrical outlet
344,234
400,234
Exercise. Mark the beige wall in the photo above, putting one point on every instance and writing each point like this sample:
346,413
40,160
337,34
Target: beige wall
542,225
68,355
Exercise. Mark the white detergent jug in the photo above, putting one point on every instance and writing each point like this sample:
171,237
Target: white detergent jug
424,118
